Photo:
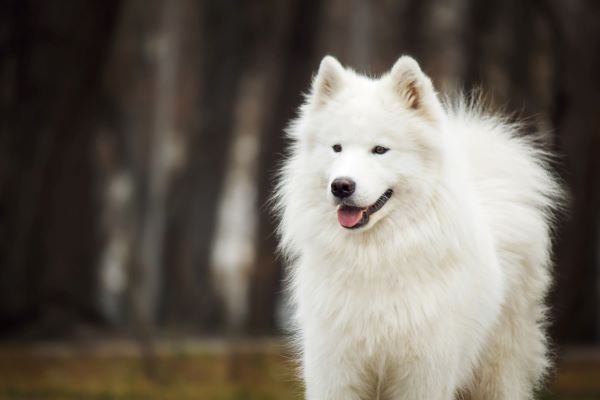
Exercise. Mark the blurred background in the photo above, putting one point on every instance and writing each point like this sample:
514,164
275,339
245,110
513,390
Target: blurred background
138,144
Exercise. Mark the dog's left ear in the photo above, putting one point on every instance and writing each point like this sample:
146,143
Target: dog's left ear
414,88
328,81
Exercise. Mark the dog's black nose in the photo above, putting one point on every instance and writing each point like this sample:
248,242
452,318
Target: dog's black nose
342,187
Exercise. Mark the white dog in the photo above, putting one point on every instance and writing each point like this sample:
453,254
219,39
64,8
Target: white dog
418,237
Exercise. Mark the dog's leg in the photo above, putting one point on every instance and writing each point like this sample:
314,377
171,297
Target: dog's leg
513,362
332,372
331,382
426,390
434,378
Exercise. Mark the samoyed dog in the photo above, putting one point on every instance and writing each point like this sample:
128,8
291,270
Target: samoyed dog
417,234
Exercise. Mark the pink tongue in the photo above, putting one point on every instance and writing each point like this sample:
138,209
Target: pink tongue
349,217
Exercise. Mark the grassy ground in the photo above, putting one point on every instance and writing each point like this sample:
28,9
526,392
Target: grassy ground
247,374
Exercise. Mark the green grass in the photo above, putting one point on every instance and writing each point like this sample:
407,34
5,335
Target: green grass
218,377
248,376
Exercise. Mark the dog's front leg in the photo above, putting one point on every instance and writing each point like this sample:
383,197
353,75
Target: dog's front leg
330,373
431,378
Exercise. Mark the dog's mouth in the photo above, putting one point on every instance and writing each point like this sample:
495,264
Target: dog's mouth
353,217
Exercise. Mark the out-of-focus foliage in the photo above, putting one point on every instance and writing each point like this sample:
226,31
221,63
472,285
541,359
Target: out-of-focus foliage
139,141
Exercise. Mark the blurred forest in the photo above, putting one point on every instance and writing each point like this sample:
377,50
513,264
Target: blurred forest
138,142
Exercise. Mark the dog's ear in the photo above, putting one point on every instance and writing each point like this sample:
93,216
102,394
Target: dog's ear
328,81
414,88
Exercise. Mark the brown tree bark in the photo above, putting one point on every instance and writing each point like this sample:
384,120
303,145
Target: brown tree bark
50,80
577,122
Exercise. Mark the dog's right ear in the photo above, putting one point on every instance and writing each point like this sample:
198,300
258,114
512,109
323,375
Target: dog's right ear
328,81
414,88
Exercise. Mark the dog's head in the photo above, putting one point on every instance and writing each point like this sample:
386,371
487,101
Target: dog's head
366,148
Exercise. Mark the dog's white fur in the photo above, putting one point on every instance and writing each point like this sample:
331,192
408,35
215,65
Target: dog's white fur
441,295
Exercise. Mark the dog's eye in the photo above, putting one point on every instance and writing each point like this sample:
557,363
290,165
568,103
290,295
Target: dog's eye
379,150
337,148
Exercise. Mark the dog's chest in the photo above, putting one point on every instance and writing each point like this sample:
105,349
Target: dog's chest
375,307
